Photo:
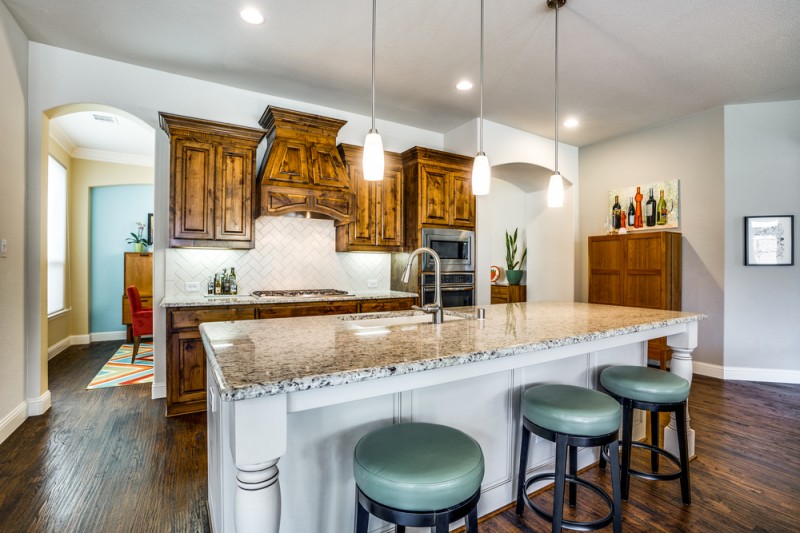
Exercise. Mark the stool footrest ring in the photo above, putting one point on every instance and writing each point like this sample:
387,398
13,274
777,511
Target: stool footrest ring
571,524
651,475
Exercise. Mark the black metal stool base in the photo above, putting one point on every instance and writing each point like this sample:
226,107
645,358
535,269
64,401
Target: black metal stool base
568,445
627,443
439,519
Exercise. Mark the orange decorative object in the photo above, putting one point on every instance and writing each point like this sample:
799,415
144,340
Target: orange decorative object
495,273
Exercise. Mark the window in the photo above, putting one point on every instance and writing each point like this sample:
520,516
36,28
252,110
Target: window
56,236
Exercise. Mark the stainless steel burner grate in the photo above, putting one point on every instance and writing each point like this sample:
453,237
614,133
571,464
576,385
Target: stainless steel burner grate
300,293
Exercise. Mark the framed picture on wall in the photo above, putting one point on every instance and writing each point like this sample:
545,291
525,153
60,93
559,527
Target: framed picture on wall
769,240
150,229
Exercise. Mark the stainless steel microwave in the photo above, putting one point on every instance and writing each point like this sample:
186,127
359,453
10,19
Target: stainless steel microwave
455,247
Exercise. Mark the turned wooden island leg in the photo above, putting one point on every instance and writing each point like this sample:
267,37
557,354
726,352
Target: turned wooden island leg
258,440
681,365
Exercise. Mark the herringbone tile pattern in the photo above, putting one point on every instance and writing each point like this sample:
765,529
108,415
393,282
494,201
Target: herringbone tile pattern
290,253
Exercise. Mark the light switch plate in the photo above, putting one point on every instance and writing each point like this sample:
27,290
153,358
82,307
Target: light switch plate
372,283
192,286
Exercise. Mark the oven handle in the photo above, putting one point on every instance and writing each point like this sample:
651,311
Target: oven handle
428,288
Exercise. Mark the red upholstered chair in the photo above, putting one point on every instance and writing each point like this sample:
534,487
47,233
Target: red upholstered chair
141,319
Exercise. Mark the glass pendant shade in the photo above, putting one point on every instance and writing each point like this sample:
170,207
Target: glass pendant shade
481,175
372,158
555,191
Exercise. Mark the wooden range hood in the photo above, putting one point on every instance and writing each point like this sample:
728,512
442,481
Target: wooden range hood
302,173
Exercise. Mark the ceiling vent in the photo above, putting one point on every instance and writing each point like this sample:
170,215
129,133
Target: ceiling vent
108,119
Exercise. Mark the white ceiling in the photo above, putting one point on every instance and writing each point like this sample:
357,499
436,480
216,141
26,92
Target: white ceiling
624,64
104,136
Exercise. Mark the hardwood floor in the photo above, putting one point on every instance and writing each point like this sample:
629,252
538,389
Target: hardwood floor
108,460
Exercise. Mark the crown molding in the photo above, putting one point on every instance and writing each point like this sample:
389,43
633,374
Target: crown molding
61,138
113,157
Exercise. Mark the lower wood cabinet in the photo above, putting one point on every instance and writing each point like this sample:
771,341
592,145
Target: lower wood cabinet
507,294
186,357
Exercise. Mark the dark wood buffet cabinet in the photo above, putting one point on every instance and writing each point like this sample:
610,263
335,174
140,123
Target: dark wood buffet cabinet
637,270
186,358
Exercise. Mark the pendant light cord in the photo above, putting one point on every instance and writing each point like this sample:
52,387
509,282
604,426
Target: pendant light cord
481,125
556,85
374,19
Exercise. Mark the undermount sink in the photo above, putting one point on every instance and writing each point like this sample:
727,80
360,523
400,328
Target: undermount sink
393,319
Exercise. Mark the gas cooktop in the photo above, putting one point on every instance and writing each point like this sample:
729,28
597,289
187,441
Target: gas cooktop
300,293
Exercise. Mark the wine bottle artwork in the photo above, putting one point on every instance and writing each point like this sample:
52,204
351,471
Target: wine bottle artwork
631,214
650,210
637,223
662,212
616,214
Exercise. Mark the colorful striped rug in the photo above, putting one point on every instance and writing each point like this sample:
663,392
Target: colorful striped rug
119,371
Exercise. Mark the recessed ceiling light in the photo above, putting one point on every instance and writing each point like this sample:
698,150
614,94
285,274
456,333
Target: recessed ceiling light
571,122
251,15
464,85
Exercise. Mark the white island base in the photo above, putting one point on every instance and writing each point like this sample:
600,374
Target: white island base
306,439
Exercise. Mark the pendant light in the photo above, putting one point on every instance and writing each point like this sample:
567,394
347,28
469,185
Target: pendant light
555,190
481,174
372,158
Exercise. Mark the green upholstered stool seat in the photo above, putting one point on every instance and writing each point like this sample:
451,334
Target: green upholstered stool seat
418,466
571,410
644,384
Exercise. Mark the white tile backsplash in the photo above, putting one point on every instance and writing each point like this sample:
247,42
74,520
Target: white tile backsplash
290,253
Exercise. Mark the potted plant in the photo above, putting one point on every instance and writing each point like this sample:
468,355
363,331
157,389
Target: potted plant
513,275
138,241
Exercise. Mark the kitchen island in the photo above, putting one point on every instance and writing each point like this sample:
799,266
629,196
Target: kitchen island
304,390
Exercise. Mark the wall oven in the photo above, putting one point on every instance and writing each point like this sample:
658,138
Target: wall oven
458,290
456,249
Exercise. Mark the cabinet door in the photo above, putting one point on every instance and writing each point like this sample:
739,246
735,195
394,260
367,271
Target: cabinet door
186,369
434,193
645,271
362,228
605,270
463,204
193,190
389,209
234,206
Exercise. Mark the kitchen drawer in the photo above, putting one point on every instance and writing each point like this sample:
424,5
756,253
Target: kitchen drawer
192,318
308,309
395,304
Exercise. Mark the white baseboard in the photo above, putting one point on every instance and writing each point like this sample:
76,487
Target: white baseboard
707,369
109,336
13,420
769,375
39,406
63,344
158,390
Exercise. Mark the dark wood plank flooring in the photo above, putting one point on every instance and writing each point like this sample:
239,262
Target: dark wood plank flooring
108,460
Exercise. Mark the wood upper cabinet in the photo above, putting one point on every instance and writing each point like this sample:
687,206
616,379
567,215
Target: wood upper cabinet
377,223
302,170
637,270
438,191
212,174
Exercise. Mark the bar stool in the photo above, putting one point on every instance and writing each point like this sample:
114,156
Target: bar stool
418,475
656,391
570,416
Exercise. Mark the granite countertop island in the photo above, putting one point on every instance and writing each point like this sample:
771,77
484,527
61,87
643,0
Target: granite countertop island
303,390
245,299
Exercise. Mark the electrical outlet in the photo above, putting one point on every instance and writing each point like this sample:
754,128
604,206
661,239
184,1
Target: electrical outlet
3,248
372,283
192,286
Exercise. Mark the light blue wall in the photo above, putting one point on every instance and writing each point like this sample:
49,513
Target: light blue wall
115,210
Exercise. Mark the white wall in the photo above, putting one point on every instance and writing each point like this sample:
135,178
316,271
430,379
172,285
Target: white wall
549,233
762,304
691,150
13,87
59,77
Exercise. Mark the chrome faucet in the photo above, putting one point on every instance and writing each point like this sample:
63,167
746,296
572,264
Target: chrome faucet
436,308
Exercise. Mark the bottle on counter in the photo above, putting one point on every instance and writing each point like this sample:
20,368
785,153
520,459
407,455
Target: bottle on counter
217,285
616,214
226,282
234,288
650,217
638,223
661,211
210,285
